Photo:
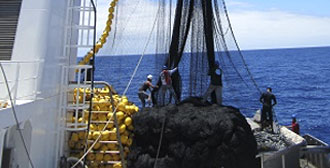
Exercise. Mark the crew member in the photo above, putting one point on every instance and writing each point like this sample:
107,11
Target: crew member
143,95
294,125
268,101
166,79
215,84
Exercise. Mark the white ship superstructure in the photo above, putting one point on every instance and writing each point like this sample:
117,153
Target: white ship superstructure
45,44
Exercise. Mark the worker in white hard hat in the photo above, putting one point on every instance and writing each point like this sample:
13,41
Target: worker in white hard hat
143,95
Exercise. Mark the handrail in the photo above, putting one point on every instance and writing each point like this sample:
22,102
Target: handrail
316,149
16,68
15,116
121,149
311,140
18,62
17,80
317,155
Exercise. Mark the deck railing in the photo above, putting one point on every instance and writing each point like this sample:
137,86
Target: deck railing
316,153
22,78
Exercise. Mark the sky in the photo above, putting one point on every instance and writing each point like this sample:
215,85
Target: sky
257,24
262,24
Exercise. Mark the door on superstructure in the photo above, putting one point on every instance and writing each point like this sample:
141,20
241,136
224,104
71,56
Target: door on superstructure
12,151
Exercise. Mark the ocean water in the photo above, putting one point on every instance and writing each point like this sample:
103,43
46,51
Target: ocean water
300,79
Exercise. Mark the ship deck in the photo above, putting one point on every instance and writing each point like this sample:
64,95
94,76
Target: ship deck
301,152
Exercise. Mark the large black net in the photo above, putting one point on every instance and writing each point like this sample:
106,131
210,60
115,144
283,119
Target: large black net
191,35
202,29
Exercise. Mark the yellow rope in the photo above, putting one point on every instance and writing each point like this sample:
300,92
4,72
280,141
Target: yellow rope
103,39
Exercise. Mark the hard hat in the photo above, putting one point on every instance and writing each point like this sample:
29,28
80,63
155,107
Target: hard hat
149,76
164,67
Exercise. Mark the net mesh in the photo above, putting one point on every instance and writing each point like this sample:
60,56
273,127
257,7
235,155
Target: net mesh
190,35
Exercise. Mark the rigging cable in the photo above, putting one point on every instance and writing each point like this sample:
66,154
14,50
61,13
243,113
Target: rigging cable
117,35
15,116
92,77
127,87
240,53
160,141
170,30
254,82
239,50
164,120
219,30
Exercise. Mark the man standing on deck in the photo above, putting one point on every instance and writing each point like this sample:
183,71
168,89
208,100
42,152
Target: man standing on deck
166,79
268,100
143,95
215,84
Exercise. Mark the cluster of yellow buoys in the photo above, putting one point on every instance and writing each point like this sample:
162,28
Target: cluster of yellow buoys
105,153
85,93
103,37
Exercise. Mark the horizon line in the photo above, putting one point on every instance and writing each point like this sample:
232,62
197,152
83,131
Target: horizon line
257,49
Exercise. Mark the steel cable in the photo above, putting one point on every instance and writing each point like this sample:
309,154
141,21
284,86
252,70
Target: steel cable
160,141
15,116
125,91
238,48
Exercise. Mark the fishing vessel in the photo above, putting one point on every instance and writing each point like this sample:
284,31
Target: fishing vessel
44,91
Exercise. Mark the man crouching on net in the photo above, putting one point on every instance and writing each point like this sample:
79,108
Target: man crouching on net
143,95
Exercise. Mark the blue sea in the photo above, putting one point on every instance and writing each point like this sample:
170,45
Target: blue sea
300,79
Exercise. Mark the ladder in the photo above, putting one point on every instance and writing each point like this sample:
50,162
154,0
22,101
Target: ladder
76,10
73,104
75,97
78,28
119,151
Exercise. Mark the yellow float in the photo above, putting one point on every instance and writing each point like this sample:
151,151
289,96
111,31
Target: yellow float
105,149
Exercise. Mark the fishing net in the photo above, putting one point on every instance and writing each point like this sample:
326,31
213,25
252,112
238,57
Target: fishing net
190,35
